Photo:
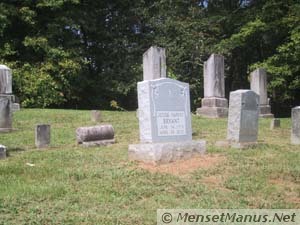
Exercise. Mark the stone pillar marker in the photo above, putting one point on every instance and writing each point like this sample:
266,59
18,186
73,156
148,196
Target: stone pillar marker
243,117
42,135
214,103
5,114
164,123
6,87
259,85
295,136
154,63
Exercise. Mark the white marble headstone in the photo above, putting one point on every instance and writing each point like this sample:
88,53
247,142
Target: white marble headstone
154,63
164,111
214,85
259,84
5,80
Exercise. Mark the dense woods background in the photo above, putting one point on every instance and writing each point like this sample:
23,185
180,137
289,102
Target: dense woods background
86,53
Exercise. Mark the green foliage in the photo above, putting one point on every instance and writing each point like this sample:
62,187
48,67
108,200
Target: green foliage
89,53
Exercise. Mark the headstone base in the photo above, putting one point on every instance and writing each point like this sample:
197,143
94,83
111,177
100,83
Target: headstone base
240,145
162,153
97,143
295,140
212,112
265,111
2,152
15,107
5,130
213,107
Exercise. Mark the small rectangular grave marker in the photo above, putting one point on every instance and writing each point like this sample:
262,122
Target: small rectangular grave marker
42,135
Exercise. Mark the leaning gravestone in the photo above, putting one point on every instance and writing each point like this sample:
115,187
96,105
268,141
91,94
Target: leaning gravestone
259,85
6,86
5,114
164,123
154,63
295,137
243,116
42,135
214,103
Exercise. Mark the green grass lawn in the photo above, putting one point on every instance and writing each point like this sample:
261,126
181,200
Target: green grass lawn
69,184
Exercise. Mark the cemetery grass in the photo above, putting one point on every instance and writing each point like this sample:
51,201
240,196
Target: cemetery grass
68,184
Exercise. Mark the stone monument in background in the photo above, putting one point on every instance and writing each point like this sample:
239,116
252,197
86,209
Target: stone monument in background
164,123
154,63
258,84
243,117
295,136
6,86
214,103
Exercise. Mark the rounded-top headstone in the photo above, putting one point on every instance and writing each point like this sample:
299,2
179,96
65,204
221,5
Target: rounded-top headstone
5,80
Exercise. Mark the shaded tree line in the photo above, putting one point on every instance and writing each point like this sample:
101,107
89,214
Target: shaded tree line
86,53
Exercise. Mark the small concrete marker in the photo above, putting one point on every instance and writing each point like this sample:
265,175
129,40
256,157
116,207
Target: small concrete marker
2,152
95,116
275,123
42,135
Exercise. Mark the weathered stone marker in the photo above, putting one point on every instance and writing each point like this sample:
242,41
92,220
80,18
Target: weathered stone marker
95,116
42,135
275,123
154,63
95,135
164,123
2,152
214,103
243,116
259,85
295,137
6,87
5,114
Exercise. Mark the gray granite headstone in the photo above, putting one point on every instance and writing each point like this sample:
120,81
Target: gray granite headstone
164,123
154,63
214,103
259,85
243,116
164,111
5,114
42,135
2,152
295,137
